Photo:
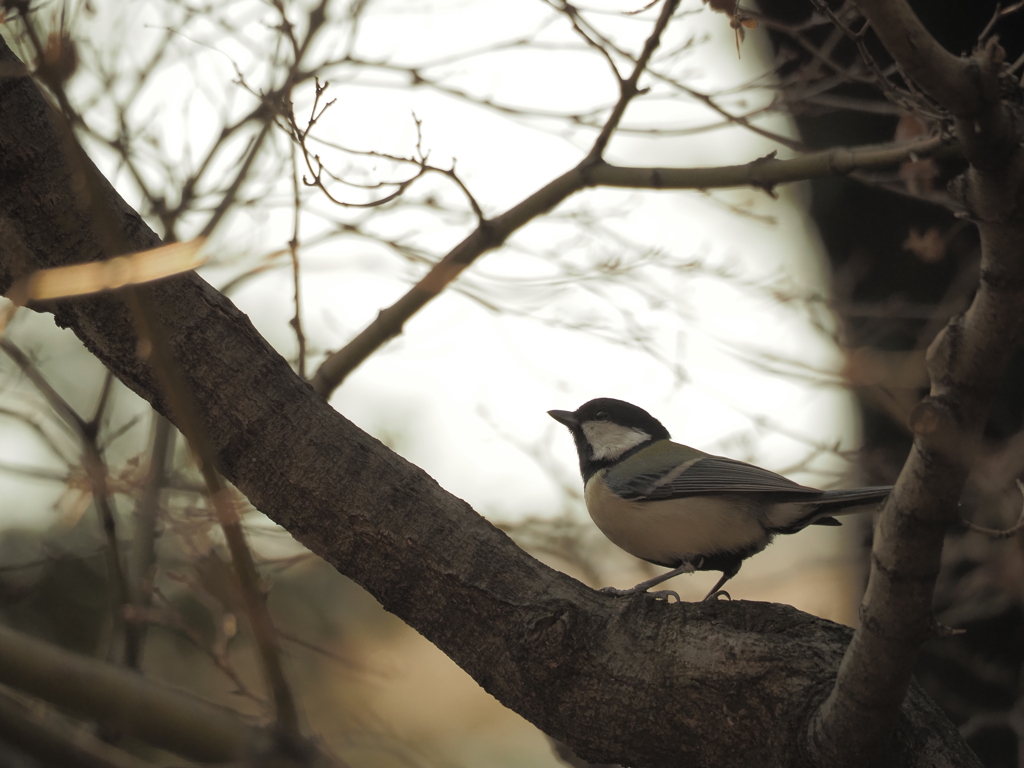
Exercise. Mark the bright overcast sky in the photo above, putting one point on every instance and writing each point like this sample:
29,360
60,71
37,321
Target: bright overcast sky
464,385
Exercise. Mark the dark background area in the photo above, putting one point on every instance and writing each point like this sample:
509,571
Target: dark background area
892,300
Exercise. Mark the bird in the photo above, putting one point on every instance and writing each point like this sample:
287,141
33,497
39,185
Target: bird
684,509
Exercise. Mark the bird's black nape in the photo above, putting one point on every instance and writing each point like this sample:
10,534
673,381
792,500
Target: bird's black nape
621,412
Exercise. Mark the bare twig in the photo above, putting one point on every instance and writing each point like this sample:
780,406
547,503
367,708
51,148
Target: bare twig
231,193
628,88
217,651
182,404
293,249
144,547
153,341
95,467
303,136
998,14
764,173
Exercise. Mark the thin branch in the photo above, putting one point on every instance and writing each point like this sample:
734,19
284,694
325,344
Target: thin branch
764,173
42,474
36,425
231,193
589,35
101,405
144,546
767,172
604,45
95,468
182,403
217,651
628,88
293,249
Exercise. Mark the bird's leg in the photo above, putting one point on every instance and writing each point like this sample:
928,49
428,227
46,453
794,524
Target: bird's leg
689,565
717,591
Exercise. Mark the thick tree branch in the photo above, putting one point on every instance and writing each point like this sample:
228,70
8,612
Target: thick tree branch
634,681
942,75
970,88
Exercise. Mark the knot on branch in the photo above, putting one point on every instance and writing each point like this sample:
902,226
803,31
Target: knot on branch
940,435
927,419
546,632
755,176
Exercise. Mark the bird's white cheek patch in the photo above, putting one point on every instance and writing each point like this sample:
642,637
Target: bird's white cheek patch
608,440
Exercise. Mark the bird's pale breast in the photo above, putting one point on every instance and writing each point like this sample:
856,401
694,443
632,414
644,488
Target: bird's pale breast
666,531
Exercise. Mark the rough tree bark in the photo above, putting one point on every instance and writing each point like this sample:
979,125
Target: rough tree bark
634,681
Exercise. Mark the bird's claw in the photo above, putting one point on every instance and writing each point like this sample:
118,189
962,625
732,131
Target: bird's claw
717,594
665,594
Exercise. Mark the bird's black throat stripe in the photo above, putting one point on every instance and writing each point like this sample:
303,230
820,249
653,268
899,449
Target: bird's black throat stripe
592,466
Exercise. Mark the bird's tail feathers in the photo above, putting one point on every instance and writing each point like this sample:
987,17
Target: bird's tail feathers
793,517
843,501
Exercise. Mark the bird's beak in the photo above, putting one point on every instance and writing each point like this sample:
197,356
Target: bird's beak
568,418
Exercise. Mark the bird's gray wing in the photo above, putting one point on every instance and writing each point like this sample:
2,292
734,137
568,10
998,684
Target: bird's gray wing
706,475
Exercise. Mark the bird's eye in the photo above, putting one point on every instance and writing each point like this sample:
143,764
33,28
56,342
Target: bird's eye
601,416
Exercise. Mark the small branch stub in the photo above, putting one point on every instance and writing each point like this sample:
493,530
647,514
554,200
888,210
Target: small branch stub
926,419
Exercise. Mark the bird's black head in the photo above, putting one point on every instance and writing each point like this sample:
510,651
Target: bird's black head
607,430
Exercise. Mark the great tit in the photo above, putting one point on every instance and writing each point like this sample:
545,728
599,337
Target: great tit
684,509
